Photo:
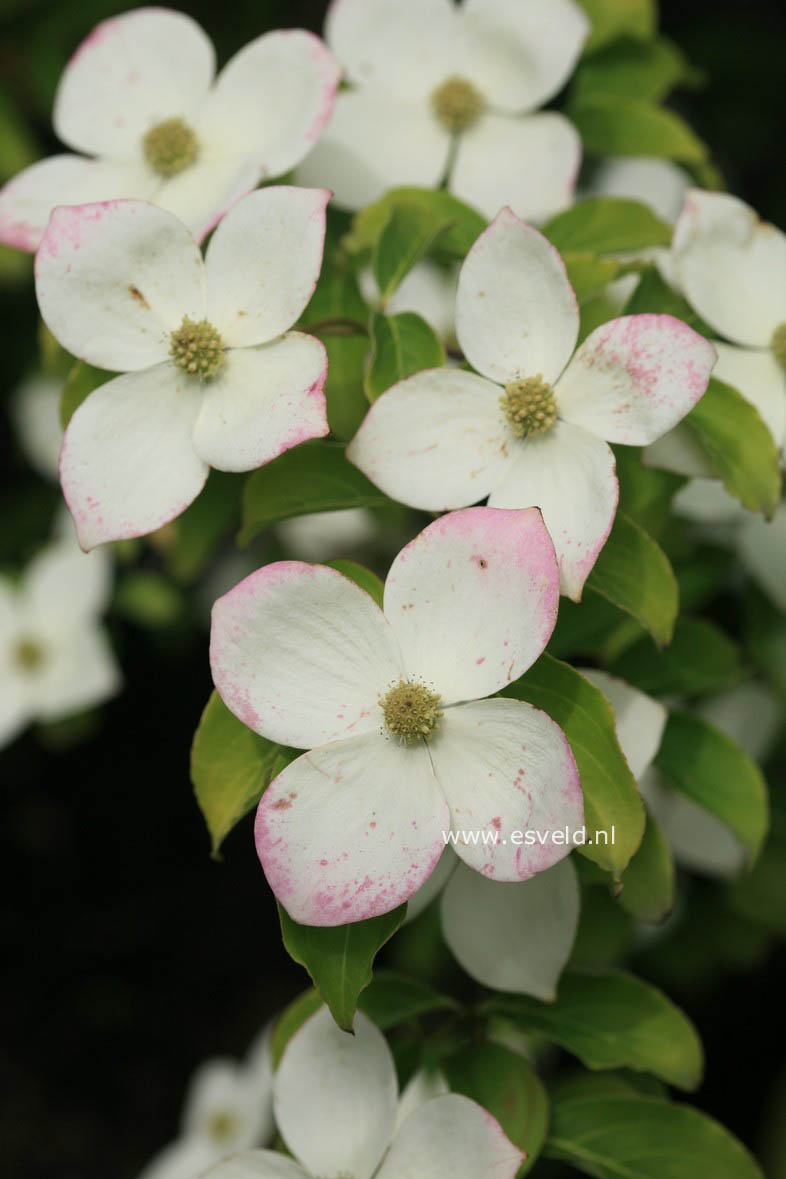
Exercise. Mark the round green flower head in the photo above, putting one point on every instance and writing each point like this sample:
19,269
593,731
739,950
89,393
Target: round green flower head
197,348
170,147
529,406
411,712
457,104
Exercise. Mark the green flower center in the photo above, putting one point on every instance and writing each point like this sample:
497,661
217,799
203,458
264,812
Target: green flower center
778,344
28,655
197,348
457,104
222,1126
411,712
170,147
529,406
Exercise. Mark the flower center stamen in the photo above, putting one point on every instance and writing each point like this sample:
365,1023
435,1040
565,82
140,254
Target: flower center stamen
28,655
222,1126
778,344
197,348
457,104
411,712
170,147
529,406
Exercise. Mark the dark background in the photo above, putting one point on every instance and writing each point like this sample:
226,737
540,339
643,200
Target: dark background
132,955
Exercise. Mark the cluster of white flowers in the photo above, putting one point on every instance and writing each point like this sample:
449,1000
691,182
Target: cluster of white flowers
406,741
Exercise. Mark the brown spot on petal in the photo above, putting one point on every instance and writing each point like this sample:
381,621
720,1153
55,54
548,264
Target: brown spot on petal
140,298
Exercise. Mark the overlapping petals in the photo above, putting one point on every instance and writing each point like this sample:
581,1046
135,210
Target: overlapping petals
301,655
114,281
443,437
140,70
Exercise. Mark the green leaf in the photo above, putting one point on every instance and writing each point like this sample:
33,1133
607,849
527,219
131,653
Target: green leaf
611,797
392,999
189,542
339,958
741,450
347,404
645,492
612,1020
230,768
715,773
634,127
590,274
634,69
634,574
506,1085
465,224
632,1136
410,231
148,599
648,882
654,295
314,477
400,346
291,1019
81,382
365,578
606,225
699,659
611,19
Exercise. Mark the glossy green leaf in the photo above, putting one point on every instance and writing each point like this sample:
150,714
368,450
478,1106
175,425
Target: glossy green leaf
230,768
714,772
634,574
189,543
314,477
649,881
699,659
292,1018
741,450
590,274
465,224
634,127
611,19
147,598
634,69
612,1020
339,958
401,345
345,395
606,225
633,1136
365,578
410,231
392,999
506,1085
653,295
611,799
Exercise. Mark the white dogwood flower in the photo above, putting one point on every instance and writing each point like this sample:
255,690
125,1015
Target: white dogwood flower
657,183
55,658
138,98
533,428
732,268
35,409
228,1108
403,746
212,377
440,90
335,1101
759,543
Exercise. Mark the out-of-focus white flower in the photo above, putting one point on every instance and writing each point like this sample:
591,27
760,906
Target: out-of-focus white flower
759,543
35,408
533,428
732,268
336,1106
659,184
139,99
55,658
211,375
228,1108
321,536
428,289
438,89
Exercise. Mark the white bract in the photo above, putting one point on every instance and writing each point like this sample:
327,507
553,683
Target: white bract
139,99
335,1102
212,377
55,658
760,544
443,90
404,747
732,268
533,428
36,414
228,1108
657,183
